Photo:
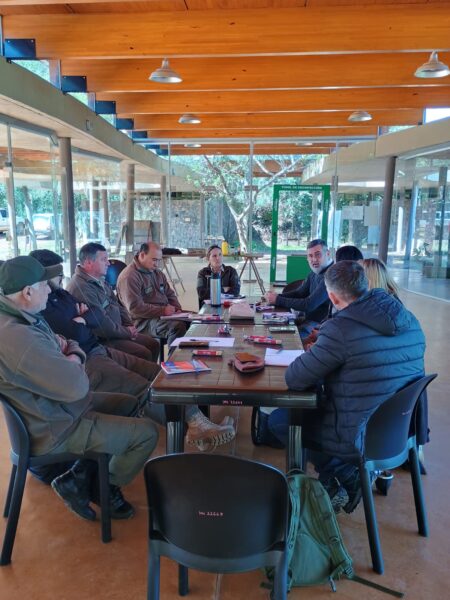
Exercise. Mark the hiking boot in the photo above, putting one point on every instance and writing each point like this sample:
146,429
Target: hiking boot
118,506
353,488
206,435
338,496
74,495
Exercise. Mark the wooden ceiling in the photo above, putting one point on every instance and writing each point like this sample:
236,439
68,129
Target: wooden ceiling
258,70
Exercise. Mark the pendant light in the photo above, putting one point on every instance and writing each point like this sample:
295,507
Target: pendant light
165,74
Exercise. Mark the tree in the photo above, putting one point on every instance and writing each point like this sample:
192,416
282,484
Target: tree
227,178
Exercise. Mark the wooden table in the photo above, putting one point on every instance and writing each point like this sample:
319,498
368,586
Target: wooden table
224,386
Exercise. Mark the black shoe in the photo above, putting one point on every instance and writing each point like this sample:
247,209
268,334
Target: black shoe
119,507
74,498
338,495
353,488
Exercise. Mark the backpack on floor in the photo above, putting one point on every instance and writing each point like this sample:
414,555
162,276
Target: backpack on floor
316,550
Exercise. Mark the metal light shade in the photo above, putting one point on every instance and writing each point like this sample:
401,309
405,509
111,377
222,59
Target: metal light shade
433,68
189,119
192,145
165,74
360,115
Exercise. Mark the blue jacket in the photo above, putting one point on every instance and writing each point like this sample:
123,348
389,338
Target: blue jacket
310,297
59,313
363,355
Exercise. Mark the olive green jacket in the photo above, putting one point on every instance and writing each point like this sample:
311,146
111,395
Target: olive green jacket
49,391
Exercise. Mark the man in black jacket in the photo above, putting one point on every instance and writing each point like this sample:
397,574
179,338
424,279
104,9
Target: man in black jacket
370,349
311,296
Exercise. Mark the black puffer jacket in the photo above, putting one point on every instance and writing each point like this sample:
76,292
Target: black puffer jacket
363,355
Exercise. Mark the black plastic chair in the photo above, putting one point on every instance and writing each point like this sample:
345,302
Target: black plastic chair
21,461
290,287
115,268
215,513
389,440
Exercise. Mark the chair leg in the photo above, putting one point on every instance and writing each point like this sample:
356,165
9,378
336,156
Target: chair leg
280,579
10,491
14,512
371,521
183,580
103,478
419,501
153,575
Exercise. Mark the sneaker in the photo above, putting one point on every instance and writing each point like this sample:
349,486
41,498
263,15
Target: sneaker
73,495
118,506
353,488
227,420
206,435
338,495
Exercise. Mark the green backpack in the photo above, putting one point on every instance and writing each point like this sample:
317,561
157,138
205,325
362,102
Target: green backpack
316,551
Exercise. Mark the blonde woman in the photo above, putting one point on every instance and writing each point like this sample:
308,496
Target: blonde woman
378,276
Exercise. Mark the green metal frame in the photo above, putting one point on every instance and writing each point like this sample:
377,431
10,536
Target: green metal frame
277,188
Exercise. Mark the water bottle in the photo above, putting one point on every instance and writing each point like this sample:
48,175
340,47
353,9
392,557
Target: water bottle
215,289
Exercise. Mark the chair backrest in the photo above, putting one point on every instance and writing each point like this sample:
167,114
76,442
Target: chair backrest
290,287
18,434
388,428
216,506
114,270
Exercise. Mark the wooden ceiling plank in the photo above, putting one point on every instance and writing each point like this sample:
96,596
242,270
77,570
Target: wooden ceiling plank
261,72
276,120
278,101
265,133
342,29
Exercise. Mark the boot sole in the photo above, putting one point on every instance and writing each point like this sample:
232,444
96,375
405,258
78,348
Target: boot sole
70,506
207,443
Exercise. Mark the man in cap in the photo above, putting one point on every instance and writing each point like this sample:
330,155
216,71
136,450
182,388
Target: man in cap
45,380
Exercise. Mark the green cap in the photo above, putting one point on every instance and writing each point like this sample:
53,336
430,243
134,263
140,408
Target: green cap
17,273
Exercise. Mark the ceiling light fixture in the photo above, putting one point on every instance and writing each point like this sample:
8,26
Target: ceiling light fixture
303,143
432,68
192,145
189,119
360,115
165,74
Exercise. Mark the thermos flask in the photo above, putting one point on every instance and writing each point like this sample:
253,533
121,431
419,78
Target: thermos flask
215,289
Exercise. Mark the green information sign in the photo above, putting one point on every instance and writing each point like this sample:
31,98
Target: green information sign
324,190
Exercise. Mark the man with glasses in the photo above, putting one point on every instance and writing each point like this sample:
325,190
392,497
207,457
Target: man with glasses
144,290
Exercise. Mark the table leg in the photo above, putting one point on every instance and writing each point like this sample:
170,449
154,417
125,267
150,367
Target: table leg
258,278
175,429
178,279
243,267
294,448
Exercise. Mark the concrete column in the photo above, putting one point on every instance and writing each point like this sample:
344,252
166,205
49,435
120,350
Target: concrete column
442,196
94,206
129,237
411,221
105,207
386,208
164,216
68,204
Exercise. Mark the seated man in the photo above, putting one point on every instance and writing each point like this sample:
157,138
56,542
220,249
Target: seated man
368,351
110,370
114,325
144,290
311,296
50,389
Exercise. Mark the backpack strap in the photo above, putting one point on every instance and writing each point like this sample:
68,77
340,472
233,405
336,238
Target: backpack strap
339,554
376,586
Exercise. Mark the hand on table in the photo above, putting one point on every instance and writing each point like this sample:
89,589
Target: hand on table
170,310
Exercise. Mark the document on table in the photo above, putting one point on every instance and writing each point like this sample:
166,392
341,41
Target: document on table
281,358
214,342
180,316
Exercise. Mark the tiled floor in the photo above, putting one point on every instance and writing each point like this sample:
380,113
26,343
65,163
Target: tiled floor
60,557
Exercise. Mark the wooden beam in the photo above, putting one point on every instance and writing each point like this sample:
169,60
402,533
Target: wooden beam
255,72
298,132
279,101
331,30
276,120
